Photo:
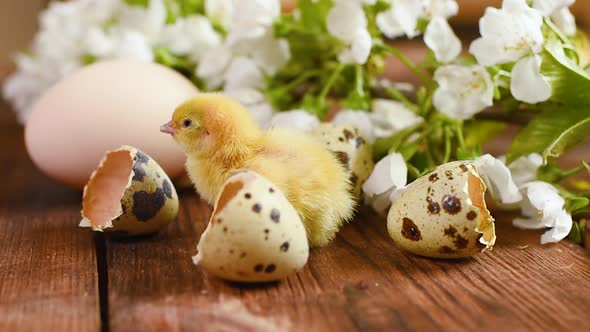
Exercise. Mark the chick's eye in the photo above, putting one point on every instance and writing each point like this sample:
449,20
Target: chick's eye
187,123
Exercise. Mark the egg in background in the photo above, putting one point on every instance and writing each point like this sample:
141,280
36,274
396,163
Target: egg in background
99,108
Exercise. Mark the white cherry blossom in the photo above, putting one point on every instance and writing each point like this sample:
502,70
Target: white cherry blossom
252,18
243,73
213,65
220,11
462,90
544,207
402,18
389,176
389,116
294,119
549,7
565,21
508,34
347,22
191,36
441,39
524,169
527,83
498,179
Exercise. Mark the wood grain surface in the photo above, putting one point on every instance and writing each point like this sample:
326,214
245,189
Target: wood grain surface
48,272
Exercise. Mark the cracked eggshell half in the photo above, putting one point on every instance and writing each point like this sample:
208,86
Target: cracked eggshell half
351,149
443,214
254,234
128,194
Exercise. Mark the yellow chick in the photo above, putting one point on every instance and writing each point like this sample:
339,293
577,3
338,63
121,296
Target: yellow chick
220,137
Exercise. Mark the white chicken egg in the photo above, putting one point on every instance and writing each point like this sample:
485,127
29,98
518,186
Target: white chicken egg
254,234
443,214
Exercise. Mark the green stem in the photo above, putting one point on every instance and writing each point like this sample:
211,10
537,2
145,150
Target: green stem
394,93
331,80
408,63
575,170
448,136
358,79
302,78
460,136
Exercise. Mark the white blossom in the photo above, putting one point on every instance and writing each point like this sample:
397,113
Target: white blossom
389,116
527,83
347,22
441,39
148,21
294,119
361,120
243,73
255,102
252,18
213,65
565,21
269,53
462,91
220,11
498,179
524,169
402,18
544,207
388,178
508,34
192,36
549,7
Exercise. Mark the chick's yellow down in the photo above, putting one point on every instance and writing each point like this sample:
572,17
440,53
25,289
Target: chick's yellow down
219,137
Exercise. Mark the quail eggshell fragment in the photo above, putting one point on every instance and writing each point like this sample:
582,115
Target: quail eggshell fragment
254,235
351,148
128,194
443,214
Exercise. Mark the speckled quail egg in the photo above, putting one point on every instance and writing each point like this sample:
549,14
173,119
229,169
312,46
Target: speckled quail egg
351,148
443,214
254,234
128,194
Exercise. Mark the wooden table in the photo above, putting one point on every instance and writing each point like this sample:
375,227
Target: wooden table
55,276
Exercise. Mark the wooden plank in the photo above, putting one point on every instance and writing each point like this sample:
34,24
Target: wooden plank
360,282
48,273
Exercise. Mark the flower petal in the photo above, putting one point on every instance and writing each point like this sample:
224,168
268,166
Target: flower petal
295,119
562,226
390,173
441,39
243,73
462,91
527,84
524,169
344,20
389,117
498,179
549,7
565,21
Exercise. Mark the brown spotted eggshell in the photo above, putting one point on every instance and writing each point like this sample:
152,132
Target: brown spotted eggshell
254,234
443,214
128,194
351,149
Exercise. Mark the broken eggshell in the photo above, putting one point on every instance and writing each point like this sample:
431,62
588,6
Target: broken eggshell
254,234
443,214
130,194
351,149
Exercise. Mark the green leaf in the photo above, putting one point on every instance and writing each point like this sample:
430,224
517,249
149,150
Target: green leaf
140,3
481,131
552,132
313,14
573,202
575,234
570,83
315,105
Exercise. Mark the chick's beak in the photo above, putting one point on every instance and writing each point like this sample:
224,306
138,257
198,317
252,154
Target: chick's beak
169,128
